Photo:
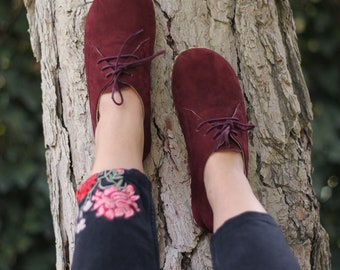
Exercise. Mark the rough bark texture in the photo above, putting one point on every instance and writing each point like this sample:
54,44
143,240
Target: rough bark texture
258,38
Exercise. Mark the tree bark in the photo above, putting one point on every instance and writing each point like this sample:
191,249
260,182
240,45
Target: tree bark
258,38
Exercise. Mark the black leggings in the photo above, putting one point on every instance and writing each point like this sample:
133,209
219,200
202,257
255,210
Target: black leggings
117,230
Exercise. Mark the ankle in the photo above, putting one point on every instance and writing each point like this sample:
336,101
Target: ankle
228,190
119,137
132,104
223,163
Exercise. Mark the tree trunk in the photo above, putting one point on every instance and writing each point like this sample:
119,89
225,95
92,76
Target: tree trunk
259,40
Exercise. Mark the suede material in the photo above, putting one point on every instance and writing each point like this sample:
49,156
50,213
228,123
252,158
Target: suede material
205,87
108,24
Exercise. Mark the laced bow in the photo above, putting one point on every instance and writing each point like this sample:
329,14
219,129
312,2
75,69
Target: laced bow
116,68
225,128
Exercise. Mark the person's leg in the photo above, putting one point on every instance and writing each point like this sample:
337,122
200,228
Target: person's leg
245,237
211,111
119,137
228,190
116,226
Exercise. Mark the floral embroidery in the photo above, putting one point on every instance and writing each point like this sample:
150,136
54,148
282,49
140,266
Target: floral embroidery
113,202
85,188
109,195
81,225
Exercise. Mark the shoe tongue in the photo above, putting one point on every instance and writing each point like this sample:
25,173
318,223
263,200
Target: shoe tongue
222,112
113,46
213,113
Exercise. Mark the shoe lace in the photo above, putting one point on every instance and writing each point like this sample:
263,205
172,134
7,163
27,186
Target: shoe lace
225,128
116,68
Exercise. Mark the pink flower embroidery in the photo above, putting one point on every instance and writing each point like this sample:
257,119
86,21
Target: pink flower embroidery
120,171
112,202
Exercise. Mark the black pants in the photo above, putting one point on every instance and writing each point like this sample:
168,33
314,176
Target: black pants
116,230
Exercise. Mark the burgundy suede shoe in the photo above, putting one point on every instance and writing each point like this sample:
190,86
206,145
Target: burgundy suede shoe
211,112
119,41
